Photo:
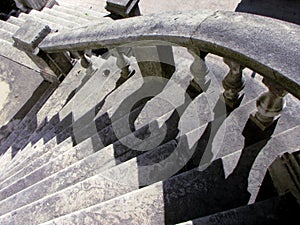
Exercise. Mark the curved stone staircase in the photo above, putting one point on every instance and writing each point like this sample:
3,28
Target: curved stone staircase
109,146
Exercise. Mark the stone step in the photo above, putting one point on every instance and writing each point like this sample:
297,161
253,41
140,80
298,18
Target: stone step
191,194
6,159
35,163
61,167
53,25
91,99
8,26
99,134
63,93
106,138
35,152
15,55
94,16
276,210
114,99
93,6
104,107
19,156
57,100
42,160
68,17
46,89
6,36
117,96
83,98
53,19
60,126
108,161
16,21
71,84
131,166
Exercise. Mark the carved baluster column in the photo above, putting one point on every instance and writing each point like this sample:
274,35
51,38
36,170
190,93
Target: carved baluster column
123,64
86,62
269,104
199,70
233,83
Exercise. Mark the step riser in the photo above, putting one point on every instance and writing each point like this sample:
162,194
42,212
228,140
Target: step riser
6,36
40,174
33,154
29,118
125,154
64,16
51,107
61,148
37,163
86,15
188,195
53,19
97,162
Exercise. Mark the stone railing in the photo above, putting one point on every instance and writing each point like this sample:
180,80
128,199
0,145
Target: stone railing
268,47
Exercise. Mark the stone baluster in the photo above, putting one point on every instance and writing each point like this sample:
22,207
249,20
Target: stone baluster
199,70
233,83
269,104
53,66
85,62
123,64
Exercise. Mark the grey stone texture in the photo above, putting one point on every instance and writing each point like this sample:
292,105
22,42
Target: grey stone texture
88,155
20,88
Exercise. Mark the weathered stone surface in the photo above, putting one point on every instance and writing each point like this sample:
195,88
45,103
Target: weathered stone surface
53,25
198,32
54,19
8,26
16,21
56,151
111,177
31,153
20,90
30,4
83,13
74,19
272,211
29,40
123,8
146,206
6,36
287,141
257,47
30,109
91,5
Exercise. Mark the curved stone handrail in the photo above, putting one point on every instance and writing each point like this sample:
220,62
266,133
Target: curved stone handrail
268,46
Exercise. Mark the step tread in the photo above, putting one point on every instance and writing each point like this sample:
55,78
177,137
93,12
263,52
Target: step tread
8,26
92,16
16,21
75,19
6,36
53,19
53,25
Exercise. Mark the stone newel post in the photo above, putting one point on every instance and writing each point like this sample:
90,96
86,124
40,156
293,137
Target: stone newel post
53,66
